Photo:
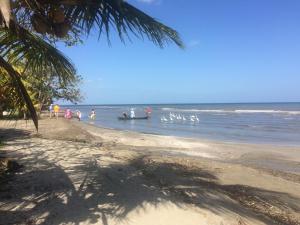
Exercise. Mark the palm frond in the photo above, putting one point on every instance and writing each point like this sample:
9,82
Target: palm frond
17,44
105,15
21,90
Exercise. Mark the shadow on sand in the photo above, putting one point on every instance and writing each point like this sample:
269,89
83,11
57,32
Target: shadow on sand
94,191
13,134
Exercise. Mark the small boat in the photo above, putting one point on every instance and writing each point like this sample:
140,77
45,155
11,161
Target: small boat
133,118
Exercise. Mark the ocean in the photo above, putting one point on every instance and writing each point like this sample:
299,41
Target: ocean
268,123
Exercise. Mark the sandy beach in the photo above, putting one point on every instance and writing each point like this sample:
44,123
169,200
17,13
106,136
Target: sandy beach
76,173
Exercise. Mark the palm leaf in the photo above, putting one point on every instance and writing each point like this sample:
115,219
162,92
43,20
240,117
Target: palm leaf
103,15
15,77
17,44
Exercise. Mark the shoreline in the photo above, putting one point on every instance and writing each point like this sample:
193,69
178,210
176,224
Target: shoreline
196,139
276,124
81,174
209,147
232,152
264,156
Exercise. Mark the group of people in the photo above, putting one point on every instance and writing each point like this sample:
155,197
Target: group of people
132,114
54,110
68,114
148,111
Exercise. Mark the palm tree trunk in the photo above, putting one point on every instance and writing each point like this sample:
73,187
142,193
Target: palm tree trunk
21,90
5,11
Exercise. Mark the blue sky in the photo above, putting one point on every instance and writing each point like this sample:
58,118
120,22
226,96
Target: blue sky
236,51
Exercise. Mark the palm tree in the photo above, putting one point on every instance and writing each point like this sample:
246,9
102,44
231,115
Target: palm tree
28,29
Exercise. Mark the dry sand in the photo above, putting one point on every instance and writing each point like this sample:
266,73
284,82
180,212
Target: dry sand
75,173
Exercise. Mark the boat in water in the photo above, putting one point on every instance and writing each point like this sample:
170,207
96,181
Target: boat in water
133,118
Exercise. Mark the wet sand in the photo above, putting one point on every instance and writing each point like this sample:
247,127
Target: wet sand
76,173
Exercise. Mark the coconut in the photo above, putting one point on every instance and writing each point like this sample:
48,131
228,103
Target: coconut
23,4
43,2
61,29
40,24
57,15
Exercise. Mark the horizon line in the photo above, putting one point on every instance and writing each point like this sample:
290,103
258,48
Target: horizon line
192,103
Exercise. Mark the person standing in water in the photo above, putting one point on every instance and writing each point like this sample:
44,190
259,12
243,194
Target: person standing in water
125,115
132,113
148,111
93,114
78,113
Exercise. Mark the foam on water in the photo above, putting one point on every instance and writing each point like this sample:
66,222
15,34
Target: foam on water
222,111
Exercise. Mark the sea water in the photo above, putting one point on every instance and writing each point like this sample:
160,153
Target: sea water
270,123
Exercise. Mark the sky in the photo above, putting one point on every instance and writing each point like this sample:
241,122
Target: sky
235,51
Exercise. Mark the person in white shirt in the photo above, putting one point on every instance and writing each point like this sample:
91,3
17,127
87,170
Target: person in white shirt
78,115
132,113
93,114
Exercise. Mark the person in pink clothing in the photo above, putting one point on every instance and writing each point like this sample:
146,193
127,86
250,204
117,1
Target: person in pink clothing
68,114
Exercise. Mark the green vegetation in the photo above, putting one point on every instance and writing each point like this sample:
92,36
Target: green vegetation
42,88
30,28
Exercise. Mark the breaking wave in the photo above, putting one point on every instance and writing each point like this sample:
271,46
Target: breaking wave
232,111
